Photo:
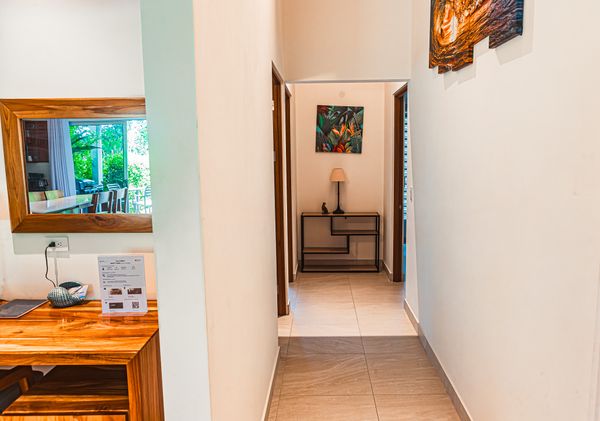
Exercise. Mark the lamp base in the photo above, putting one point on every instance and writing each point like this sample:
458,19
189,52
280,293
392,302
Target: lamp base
338,211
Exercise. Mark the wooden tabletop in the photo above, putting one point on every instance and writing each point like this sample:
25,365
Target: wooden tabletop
75,336
60,205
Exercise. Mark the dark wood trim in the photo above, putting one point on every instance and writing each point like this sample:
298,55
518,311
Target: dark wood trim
279,203
288,184
12,111
399,235
402,91
456,401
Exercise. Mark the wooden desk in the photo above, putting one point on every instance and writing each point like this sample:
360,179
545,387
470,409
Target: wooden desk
81,336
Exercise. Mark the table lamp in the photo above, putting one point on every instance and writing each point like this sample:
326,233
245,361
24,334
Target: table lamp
338,176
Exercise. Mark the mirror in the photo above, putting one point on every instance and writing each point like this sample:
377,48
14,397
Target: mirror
87,166
77,165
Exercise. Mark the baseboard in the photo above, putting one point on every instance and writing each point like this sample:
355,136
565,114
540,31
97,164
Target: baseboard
411,317
271,387
387,271
456,401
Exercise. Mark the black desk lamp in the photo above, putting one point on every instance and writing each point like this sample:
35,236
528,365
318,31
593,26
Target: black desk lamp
338,176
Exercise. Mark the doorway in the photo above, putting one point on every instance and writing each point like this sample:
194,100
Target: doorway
400,179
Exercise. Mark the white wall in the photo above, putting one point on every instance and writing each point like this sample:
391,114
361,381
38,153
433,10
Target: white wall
66,49
347,40
294,178
363,192
507,194
388,200
236,42
169,62
224,244
411,281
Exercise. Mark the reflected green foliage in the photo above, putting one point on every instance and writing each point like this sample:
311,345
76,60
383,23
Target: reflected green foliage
88,139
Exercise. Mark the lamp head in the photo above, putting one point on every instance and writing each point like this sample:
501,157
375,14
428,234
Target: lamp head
338,176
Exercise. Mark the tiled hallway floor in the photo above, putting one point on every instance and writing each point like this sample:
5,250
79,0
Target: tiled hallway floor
350,353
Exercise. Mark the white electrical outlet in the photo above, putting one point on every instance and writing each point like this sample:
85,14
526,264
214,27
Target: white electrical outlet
62,244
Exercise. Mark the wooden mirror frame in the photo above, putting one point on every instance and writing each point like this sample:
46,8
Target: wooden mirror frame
12,112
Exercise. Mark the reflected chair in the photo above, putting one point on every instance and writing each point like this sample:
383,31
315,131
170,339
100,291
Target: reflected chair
101,202
119,204
54,194
143,204
15,382
37,196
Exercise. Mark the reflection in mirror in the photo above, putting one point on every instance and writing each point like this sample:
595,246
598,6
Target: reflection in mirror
87,166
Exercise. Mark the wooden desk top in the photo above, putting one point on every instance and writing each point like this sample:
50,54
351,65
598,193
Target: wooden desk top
75,336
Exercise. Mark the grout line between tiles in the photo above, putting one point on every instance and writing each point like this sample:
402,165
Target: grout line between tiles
364,351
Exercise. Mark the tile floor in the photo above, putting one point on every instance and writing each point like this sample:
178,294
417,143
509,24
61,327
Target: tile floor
350,353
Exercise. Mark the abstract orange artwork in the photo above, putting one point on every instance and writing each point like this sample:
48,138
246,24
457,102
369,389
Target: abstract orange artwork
457,25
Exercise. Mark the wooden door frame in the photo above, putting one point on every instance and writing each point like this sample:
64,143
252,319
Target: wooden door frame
288,182
399,238
277,85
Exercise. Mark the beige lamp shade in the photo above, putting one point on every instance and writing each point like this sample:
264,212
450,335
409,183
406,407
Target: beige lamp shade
338,175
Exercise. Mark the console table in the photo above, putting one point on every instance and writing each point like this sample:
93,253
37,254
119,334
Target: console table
371,228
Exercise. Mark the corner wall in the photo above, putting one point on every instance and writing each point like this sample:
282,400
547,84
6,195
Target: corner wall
507,194
363,191
236,43
411,283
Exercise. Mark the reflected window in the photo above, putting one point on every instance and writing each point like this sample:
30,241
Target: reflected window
88,166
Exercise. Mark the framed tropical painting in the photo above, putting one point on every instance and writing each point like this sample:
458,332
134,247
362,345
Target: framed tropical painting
339,129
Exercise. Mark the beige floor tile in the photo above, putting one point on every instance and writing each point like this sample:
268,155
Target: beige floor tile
373,295
404,345
378,299
326,375
395,374
325,295
326,345
415,408
368,276
284,325
304,278
334,319
284,342
384,320
327,408
386,310
329,372
326,328
386,327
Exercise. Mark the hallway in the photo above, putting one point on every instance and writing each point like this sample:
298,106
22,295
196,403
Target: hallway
350,352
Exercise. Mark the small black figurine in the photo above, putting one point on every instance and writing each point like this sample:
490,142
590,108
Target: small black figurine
324,209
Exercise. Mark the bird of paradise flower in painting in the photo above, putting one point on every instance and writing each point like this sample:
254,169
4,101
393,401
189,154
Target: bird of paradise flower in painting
339,129
457,25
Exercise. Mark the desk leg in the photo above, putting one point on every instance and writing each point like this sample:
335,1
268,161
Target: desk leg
144,382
